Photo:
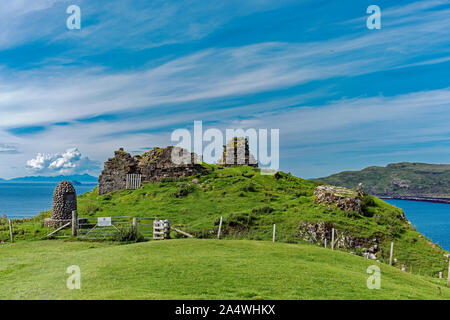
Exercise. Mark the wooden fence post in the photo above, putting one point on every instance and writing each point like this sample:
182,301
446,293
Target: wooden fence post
325,243
332,239
274,232
166,229
448,280
391,254
220,228
11,231
74,223
135,226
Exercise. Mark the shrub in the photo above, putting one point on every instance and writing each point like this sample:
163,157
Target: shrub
367,202
250,187
183,190
128,235
91,208
262,210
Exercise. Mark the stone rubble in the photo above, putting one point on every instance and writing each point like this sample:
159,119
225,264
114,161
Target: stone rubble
318,232
343,198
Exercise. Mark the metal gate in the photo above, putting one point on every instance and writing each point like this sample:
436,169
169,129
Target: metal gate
103,228
133,181
106,228
145,227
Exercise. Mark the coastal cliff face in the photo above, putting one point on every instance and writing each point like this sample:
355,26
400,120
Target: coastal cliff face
414,181
153,166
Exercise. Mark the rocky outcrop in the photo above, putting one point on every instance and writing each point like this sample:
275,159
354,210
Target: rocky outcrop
320,233
342,198
170,162
237,153
64,202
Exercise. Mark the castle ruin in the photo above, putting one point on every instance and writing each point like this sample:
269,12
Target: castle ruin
158,164
237,153
152,166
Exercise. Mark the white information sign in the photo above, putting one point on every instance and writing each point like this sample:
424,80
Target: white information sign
104,222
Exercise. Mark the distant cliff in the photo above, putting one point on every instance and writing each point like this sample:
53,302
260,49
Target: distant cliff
405,180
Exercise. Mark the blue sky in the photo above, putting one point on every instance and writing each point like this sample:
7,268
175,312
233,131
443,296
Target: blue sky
344,97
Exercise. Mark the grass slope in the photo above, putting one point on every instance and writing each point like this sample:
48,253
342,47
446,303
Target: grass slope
250,204
200,269
398,179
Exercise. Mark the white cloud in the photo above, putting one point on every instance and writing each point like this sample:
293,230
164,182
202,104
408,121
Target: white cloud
69,162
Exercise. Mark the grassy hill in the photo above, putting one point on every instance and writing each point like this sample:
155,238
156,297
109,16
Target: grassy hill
250,204
398,179
200,269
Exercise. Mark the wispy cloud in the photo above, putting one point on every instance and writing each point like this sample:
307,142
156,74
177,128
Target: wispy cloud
44,106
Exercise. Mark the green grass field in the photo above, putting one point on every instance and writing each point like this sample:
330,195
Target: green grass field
200,269
250,204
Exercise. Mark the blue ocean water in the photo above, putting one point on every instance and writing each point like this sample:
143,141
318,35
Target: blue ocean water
431,219
19,200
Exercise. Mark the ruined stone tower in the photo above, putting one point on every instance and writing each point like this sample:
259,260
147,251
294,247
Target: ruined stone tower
237,153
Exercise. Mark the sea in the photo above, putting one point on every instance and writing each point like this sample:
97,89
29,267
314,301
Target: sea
26,200
20,200
430,218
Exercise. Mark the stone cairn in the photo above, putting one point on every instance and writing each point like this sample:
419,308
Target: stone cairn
237,153
64,202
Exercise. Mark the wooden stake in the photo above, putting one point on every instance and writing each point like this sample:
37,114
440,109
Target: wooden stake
181,232
391,254
135,226
274,232
332,239
11,231
325,243
448,281
74,223
59,229
220,228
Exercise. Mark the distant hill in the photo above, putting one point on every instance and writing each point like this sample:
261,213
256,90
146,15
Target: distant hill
77,178
405,180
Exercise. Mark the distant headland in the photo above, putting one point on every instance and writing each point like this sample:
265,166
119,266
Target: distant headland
77,179
404,181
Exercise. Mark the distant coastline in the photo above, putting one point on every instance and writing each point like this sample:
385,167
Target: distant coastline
77,179
416,198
